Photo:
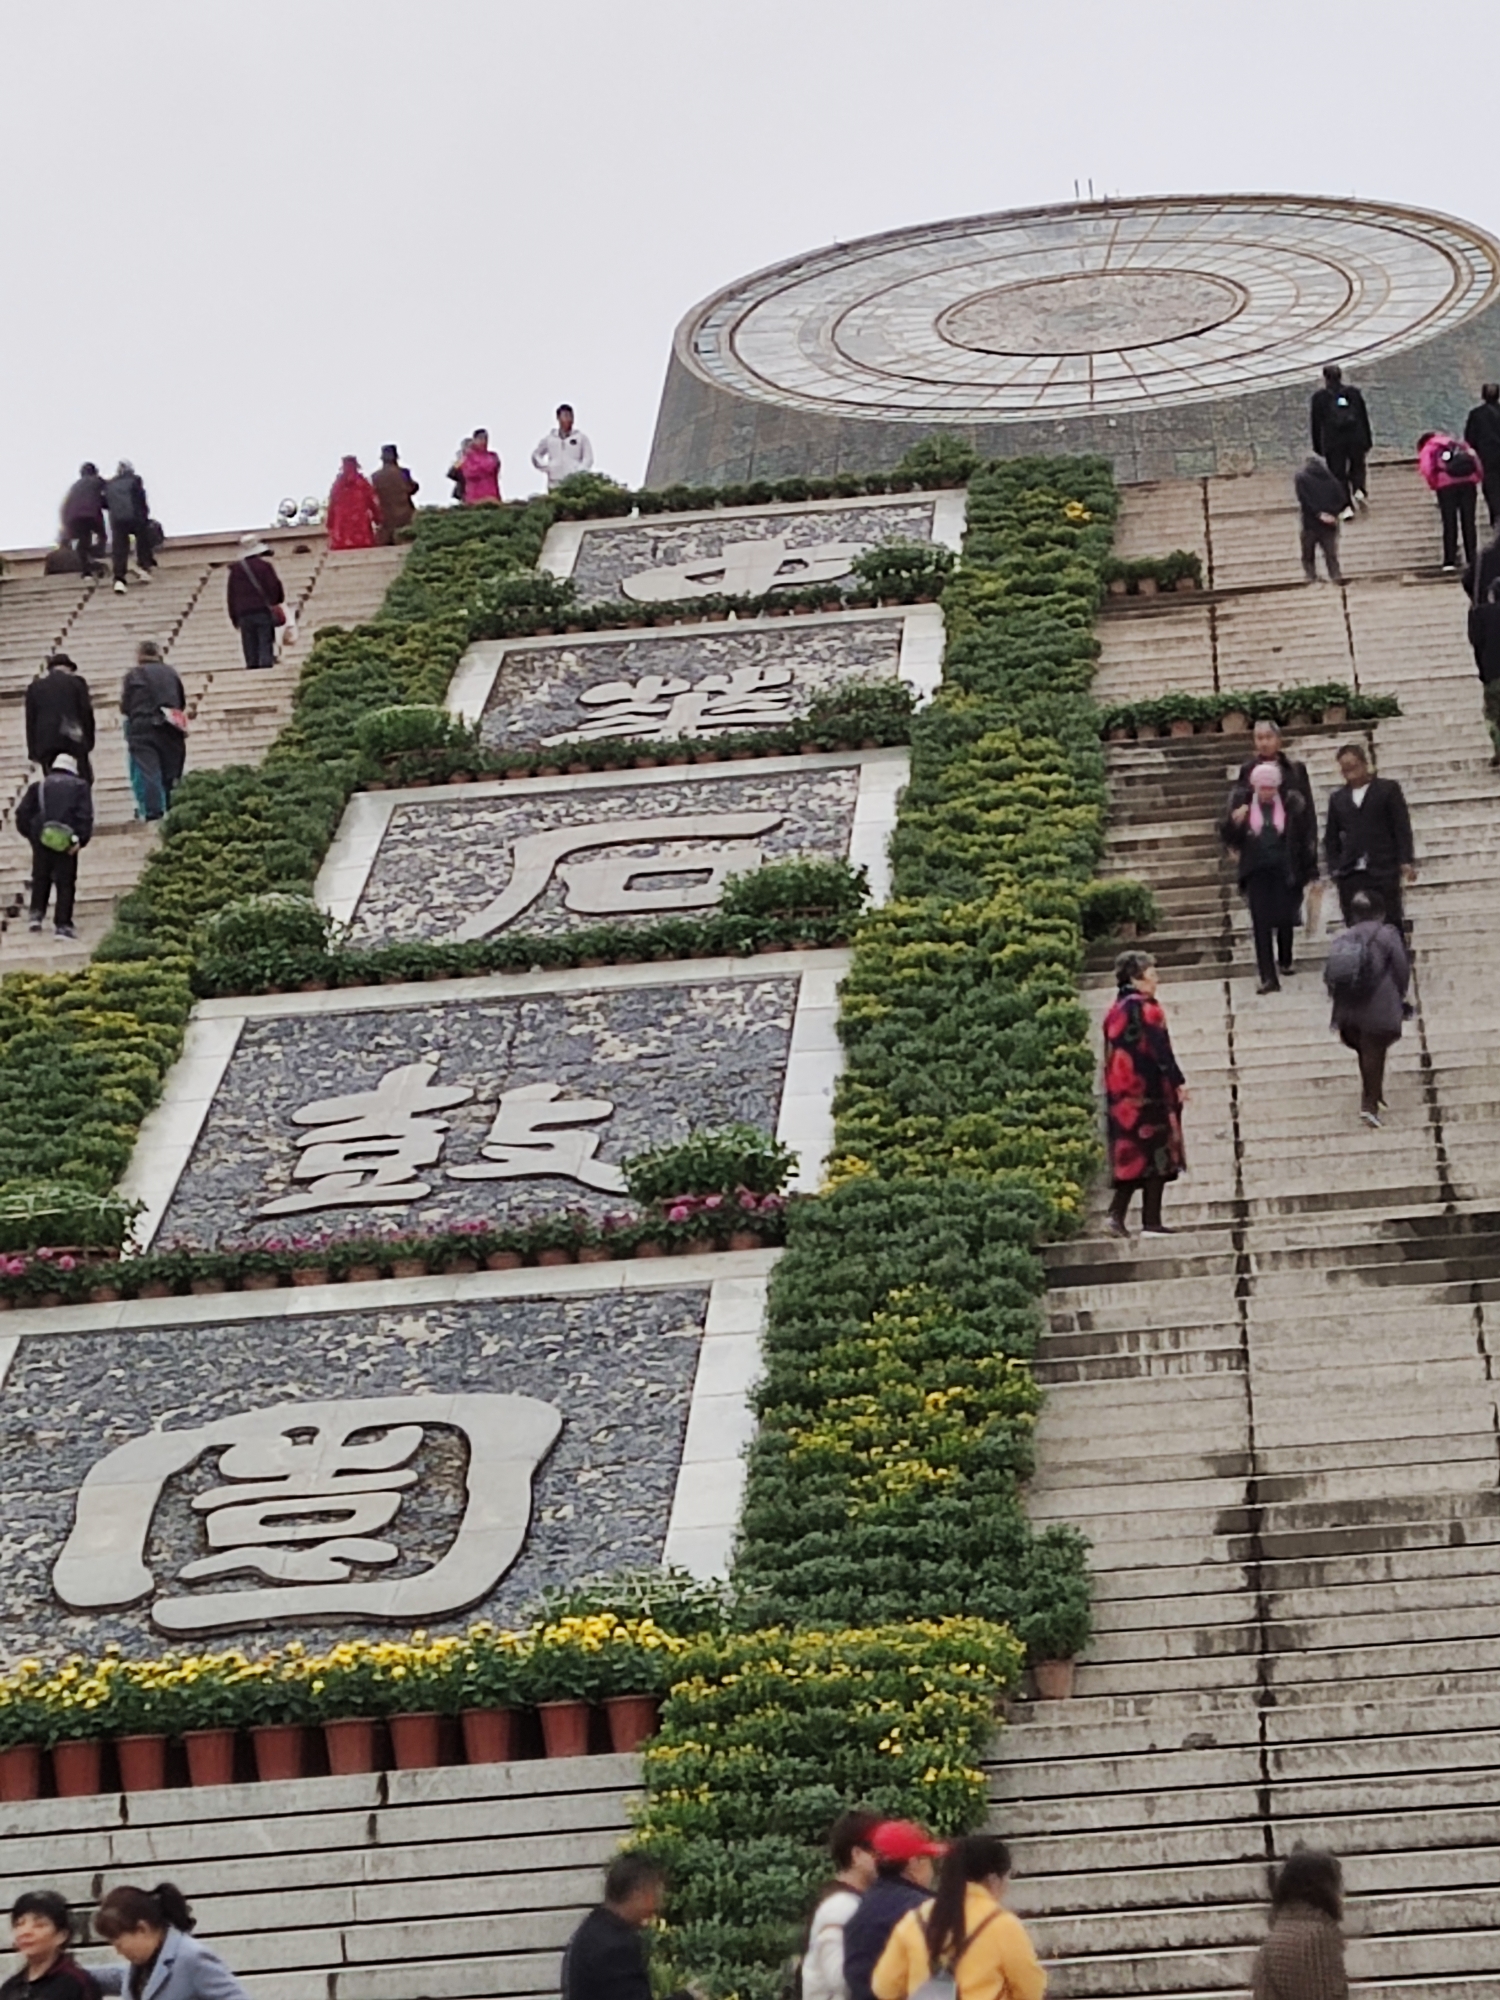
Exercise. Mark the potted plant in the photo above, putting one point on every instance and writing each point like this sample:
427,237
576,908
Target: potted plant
207,1708
1057,1622
278,1704
562,1672
73,1701
23,1731
636,1661
136,1712
491,1675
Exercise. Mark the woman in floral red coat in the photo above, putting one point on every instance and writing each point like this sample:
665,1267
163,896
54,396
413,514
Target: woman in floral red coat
1145,1092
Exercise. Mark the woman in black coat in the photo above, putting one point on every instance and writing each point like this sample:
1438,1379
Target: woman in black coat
1273,834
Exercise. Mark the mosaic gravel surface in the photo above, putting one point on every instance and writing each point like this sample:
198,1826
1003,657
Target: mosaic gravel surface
536,692
611,552
444,860
669,1058
619,1368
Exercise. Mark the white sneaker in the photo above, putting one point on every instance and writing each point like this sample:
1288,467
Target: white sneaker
1372,1119
1362,502
35,924
1347,515
120,586
141,575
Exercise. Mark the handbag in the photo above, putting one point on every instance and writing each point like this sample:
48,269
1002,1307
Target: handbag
176,718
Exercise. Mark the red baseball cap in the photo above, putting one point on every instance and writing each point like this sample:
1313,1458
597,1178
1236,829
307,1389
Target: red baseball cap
903,1840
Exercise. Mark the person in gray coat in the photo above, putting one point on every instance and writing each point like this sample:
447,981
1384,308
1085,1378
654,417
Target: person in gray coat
151,1930
1369,1011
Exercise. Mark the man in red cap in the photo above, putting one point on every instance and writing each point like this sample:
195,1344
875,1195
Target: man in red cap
904,1854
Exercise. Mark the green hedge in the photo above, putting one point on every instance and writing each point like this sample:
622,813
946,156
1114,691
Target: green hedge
898,1407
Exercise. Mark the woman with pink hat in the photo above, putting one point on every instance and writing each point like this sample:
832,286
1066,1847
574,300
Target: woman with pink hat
1272,832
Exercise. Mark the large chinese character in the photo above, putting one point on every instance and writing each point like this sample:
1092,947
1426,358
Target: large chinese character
751,697
702,851
743,569
535,1134
371,1143
300,1474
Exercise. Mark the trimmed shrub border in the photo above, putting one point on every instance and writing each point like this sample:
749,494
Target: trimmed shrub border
1333,703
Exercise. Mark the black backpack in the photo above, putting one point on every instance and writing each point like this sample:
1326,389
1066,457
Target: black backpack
1458,462
1343,418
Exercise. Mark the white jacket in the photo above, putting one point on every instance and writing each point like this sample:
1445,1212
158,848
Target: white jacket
823,1961
560,457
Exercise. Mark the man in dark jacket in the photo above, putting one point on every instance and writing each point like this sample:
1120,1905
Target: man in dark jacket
396,490
1341,434
1322,499
1482,435
606,1955
254,592
83,516
51,809
904,1855
149,695
1368,837
129,517
60,716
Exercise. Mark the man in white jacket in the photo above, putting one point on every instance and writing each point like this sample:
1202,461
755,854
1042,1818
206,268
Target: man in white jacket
563,451
853,1857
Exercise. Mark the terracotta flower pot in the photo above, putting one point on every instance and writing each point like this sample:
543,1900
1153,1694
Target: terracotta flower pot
1054,1678
1184,725
557,1254
1234,722
518,771
20,1772
1119,586
203,1288
744,1239
143,1762
310,1274
1146,586
463,1267
409,1267
155,1288
414,1742
632,1719
1185,584
649,1249
1300,718
489,1734
594,1253
76,1768
1119,736
1146,732
351,1744
363,1274
261,1281
695,1246
504,1260
210,1756
1335,713
565,1727
280,1751
101,1295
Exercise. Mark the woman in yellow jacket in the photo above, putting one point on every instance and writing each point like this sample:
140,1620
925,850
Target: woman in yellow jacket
965,1935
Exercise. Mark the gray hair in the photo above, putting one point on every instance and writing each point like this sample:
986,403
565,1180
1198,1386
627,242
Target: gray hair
1129,966
148,649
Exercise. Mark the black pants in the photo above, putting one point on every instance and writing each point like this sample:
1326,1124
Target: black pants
121,533
1371,1051
1456,505
258,637
159,755
87,536
53,870
1151,1187
1272,907
1492,494
1347,464
1387,887
1322,535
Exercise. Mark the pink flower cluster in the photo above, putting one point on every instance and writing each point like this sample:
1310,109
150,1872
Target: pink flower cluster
17,1266
683,1207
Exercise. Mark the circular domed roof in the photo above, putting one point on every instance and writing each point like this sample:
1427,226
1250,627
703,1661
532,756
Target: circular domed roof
1089,310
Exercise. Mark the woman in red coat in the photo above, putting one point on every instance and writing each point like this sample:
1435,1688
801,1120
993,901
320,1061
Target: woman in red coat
353,509
1145,1091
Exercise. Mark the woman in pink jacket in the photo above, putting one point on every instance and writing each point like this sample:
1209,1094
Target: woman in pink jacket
1452,469
479,468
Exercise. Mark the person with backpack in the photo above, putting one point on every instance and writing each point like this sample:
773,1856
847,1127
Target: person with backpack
60,716
965,1945
154,705
83,516
1482,436
56,815
1367,973
1367,840
904,1854
1320,500
129,519
1453,472
1341,434
822,1962
1272,833
256,601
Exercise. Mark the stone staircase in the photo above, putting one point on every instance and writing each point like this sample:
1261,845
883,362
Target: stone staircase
235,714
1280,1427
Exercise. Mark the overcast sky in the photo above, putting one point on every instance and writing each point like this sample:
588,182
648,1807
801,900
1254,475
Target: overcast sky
238,241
